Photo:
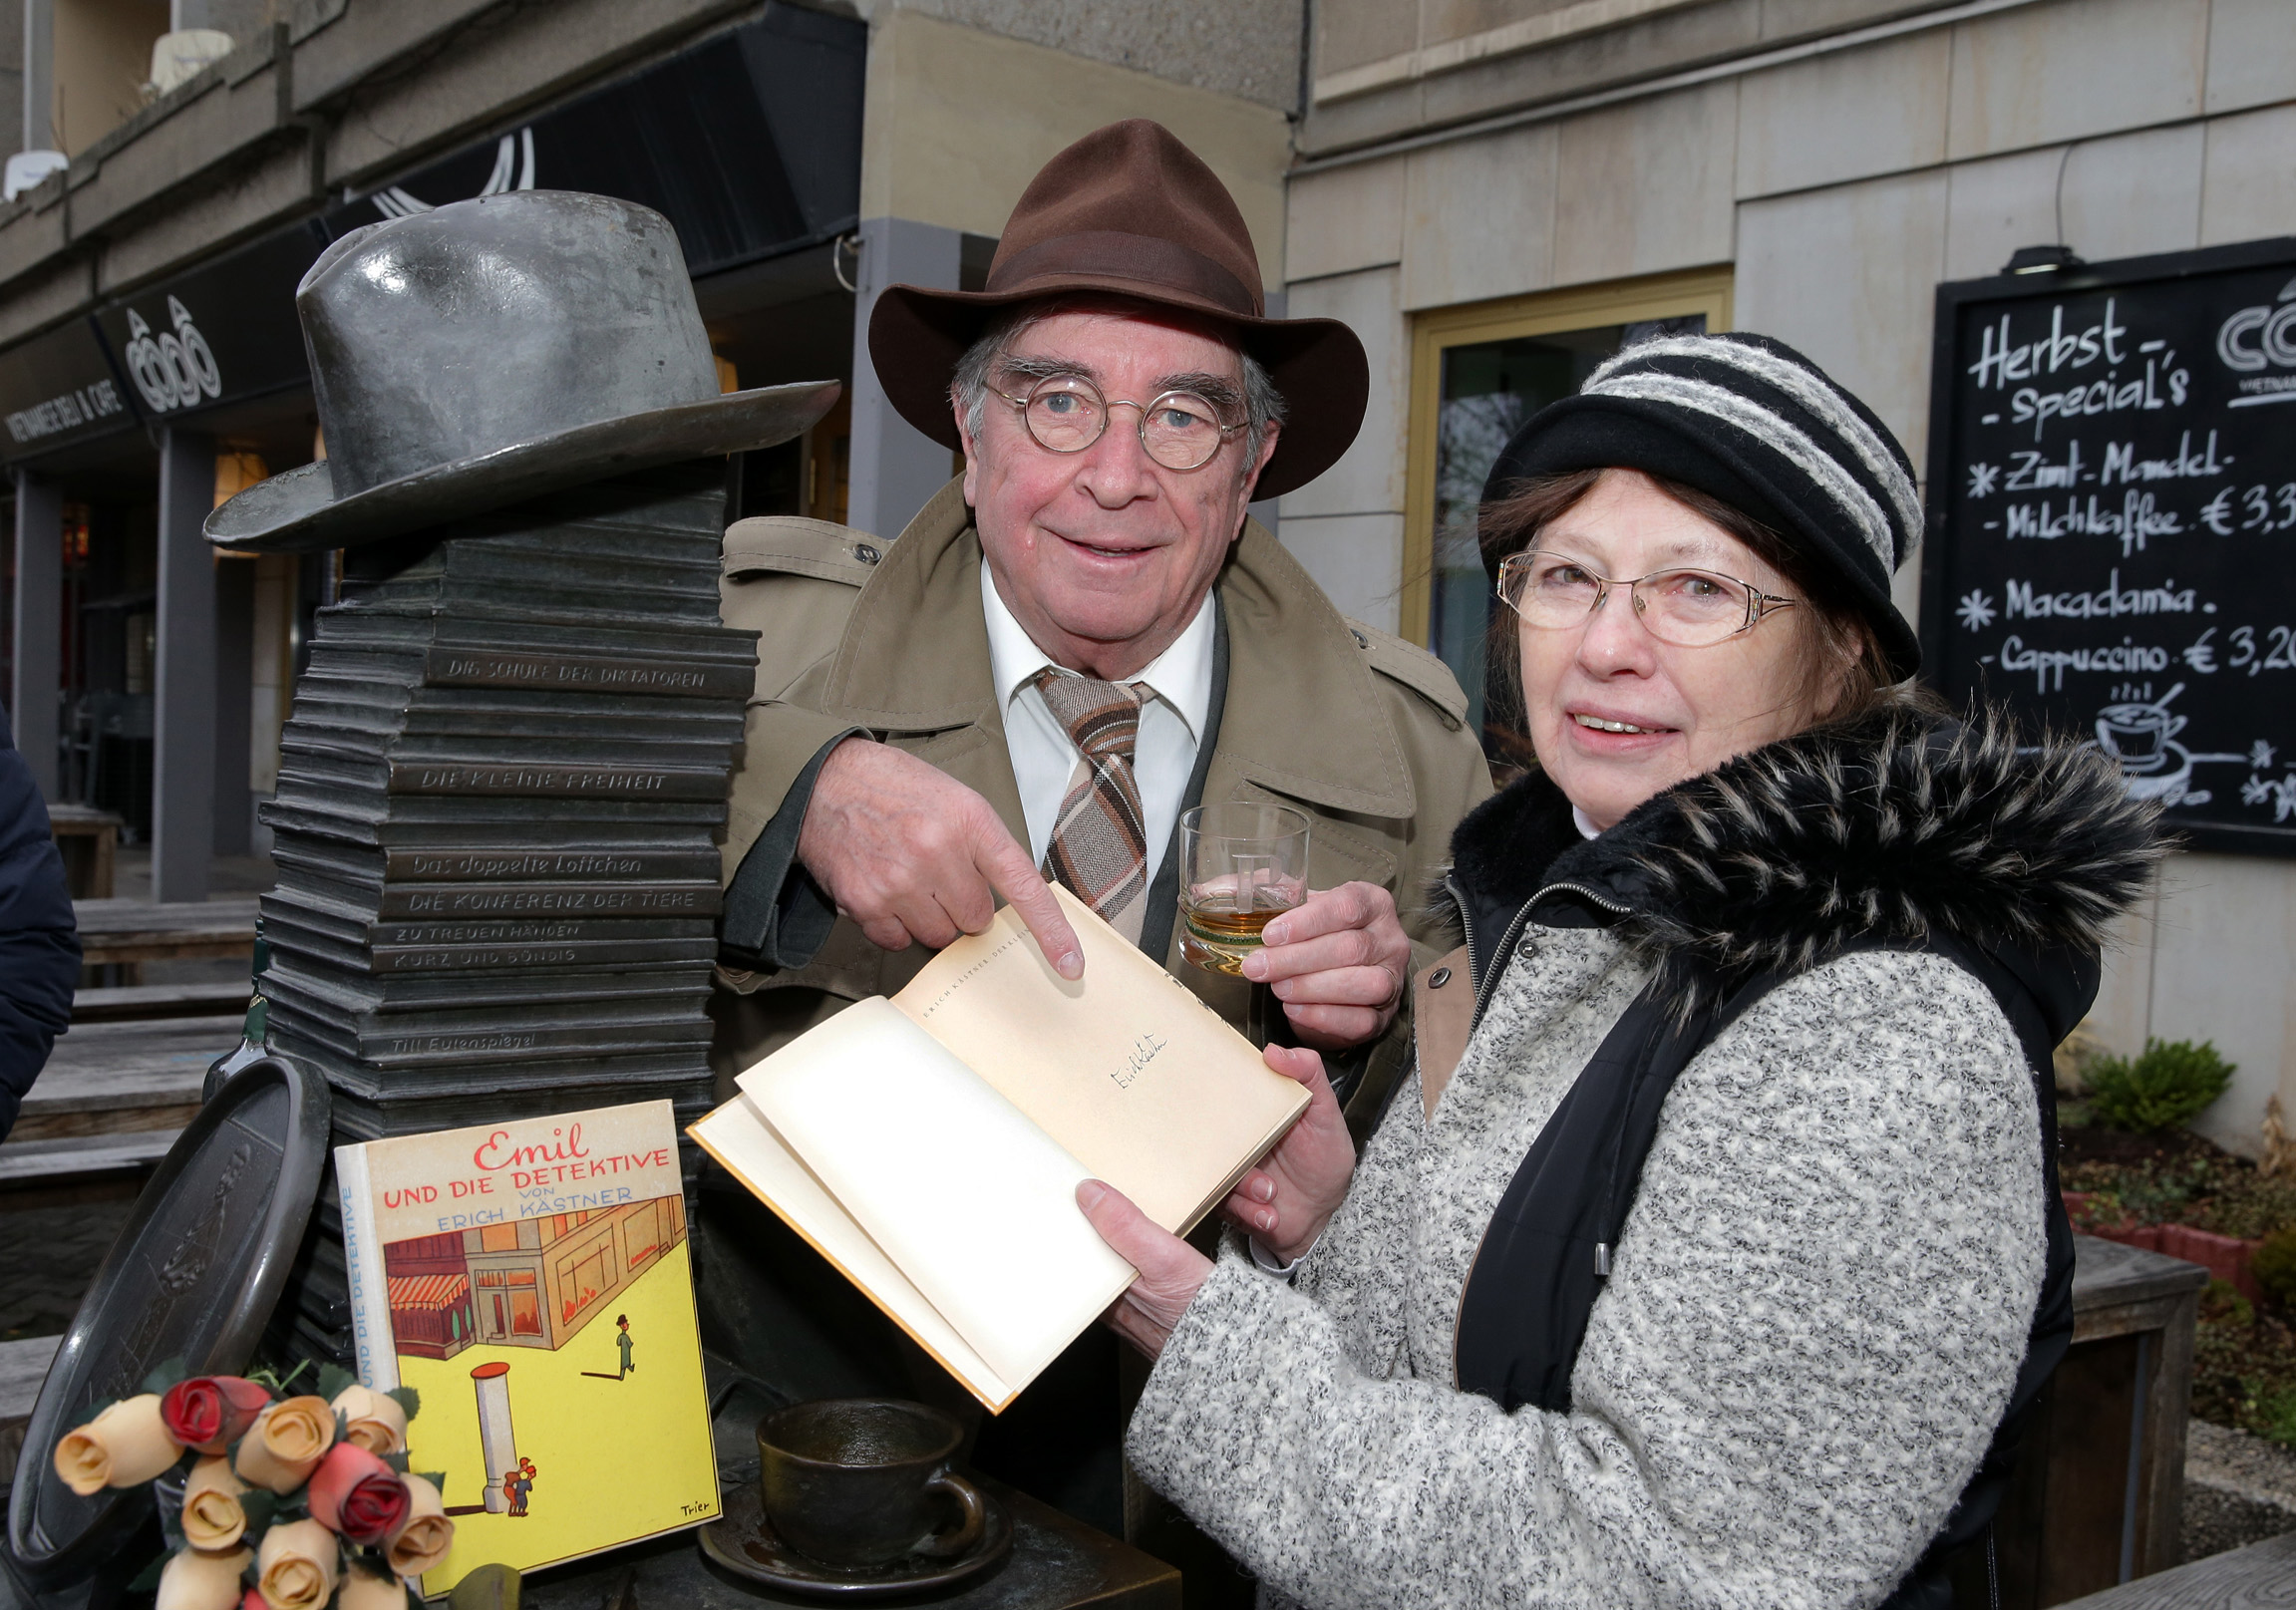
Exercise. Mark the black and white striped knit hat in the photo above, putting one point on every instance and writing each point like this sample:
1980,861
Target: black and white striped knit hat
1753,422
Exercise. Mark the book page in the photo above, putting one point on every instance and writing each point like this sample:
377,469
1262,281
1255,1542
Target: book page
972,1201
738,1135
1133,1076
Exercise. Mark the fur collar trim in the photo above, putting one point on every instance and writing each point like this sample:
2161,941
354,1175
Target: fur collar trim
1889,830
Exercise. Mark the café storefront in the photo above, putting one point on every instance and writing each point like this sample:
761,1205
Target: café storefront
172,669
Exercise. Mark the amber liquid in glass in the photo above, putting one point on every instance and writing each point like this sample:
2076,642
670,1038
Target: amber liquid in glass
1218,937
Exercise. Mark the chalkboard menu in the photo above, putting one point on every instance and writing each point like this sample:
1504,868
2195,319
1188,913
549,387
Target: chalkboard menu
2111,546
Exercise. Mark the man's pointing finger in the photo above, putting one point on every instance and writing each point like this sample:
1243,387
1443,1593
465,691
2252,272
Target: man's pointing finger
1025,889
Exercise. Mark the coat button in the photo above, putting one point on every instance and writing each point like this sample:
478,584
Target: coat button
866,553
1438,978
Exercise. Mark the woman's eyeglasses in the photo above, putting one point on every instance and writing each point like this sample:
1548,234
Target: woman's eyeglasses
1689,608
1067,414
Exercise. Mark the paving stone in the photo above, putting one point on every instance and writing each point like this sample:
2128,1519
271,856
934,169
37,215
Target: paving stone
2239,1489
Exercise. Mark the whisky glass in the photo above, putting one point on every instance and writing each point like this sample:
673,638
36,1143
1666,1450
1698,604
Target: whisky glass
1242,864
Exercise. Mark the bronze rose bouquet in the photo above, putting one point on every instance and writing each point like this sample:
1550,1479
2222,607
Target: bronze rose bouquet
269,1500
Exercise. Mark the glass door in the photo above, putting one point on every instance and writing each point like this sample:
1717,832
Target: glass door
1478,374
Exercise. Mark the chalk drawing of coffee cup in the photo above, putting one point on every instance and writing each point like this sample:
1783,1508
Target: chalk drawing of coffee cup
2137,734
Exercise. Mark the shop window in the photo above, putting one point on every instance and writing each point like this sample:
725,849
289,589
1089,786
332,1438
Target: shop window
646,1230
581,1284
1478,373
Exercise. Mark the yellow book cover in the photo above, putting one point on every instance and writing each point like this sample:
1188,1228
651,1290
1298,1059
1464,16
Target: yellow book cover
531,1280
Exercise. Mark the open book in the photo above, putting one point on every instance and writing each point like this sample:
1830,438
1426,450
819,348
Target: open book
930,1146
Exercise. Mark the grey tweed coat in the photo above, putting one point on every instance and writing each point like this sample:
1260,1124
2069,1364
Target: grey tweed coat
1820,1301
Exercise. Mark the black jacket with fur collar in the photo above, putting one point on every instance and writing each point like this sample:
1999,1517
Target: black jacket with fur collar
1892,830
1898,831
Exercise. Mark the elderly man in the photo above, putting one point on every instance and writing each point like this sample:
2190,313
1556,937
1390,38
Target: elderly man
912,750
1083,637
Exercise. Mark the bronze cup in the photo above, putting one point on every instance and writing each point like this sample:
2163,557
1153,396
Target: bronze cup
860,1483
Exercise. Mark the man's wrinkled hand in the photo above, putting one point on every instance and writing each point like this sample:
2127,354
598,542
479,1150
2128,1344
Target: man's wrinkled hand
911,854
1338,963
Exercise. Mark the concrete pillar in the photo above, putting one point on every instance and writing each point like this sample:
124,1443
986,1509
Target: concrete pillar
39,668
39,131
184,673
234,703
894,468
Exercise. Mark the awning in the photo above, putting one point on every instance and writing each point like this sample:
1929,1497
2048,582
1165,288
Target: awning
426,1291
219,332
749,141
58,389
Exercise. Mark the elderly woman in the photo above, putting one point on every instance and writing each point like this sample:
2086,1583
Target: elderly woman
1707,1267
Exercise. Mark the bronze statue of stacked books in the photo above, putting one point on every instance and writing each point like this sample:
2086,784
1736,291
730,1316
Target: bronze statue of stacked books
510,751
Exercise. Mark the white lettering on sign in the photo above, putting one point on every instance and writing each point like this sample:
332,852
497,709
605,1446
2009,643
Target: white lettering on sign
2123,465
2049,666
174,370
2111,599
2138,517
2001,360
83,405
2259,338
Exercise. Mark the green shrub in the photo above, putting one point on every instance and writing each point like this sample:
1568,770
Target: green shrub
2221,1303
2160,1089
2275,1416
2274,1266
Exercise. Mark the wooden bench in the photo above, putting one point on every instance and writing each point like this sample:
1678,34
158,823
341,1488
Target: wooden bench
139,1003
2248,1578
88,842
117,1079
23,1367
2097,1495
48,1167
125,933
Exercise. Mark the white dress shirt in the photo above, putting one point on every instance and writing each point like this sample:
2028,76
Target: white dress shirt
1044,757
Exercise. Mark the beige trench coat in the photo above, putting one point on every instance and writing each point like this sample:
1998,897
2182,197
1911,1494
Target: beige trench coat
1359,729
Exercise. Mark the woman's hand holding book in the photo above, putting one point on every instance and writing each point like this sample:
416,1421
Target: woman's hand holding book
1285,1203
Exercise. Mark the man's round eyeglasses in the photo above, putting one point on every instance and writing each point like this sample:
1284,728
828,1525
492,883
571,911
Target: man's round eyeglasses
1689,608
1067,414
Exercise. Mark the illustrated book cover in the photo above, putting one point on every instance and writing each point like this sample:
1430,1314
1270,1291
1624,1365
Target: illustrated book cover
531,1280
930,1146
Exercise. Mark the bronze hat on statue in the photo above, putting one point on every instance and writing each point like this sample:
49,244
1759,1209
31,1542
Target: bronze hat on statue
1130,212
494,350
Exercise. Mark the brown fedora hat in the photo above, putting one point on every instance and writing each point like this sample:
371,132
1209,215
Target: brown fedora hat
1130,212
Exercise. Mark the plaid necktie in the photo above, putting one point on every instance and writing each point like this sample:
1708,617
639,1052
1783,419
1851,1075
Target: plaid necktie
1099,848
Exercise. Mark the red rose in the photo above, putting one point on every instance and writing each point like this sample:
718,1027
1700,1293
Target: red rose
355,1495
208,1413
